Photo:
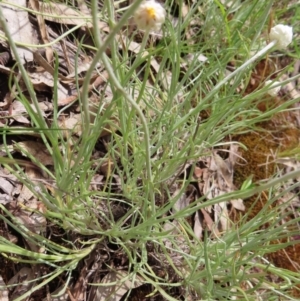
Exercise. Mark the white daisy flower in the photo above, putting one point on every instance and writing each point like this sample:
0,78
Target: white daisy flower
150,16
282,34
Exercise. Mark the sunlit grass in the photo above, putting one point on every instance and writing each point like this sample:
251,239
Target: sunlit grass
156,128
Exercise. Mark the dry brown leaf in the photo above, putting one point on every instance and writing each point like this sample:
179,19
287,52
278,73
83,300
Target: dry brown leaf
64,14
17,113
198,230
224,169
233,154
136,48
221,215
291,88
79,289
31,211
190,59
26,194
32,217
107,167
184,10
44,106
209,223
83,7
3,41
172,228
39,79
20,27
290,162
6,186
81,67
36,150
43,63
24,281
71,125
115,286
175,230
59,294
5,199
211,189
204,181
181,203
7,70
68,100
64,79
198,172
43,31
19,110
238,204
97,180
3,290
95,82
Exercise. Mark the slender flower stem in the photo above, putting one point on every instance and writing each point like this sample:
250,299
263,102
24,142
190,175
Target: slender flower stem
42,46
225,80
118,86
101,49
142,47
241,68
100,55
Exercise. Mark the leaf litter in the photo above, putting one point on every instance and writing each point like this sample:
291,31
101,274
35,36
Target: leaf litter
213,175
20,27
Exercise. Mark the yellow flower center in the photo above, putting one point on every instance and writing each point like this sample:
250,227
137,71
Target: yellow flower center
151,12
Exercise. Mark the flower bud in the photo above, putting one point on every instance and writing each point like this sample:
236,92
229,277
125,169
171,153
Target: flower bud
272,91
150,15
282,34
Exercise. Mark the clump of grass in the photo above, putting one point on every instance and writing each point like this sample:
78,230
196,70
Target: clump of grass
153,136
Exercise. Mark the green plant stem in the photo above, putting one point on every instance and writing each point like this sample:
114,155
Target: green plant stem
225,80
243,194
241,68
43,46
142,47
100,55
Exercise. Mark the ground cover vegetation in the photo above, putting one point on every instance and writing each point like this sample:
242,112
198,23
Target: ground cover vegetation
149,150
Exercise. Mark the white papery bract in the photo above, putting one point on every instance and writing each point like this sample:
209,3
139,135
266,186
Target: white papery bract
272,91
150,16
282,34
